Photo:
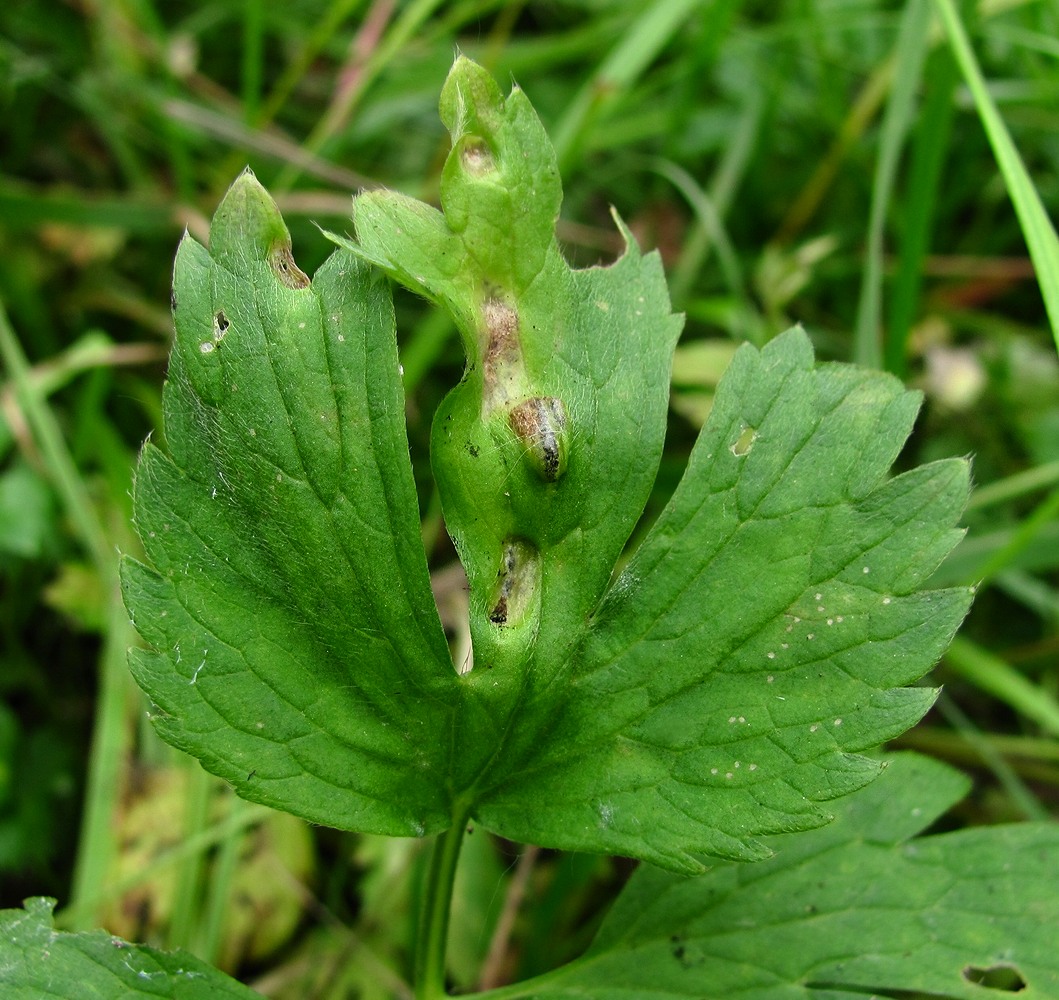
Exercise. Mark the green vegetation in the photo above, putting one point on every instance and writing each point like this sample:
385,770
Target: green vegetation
814,162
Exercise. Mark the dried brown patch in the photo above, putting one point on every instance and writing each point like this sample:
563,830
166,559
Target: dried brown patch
501,327
283,266
502,356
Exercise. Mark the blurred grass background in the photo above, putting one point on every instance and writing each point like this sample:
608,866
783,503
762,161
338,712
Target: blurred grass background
828,162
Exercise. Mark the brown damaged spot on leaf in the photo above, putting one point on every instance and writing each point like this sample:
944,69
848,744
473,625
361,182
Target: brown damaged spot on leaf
540,423
283,266
517,582
501,327
498,616
502,357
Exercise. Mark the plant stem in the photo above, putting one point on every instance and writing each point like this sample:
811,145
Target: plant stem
432,935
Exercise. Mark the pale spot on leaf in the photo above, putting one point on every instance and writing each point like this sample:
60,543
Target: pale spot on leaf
742,444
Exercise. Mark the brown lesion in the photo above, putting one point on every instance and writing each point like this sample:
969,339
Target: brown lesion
501,328
498,616
517,582
502,357
540,423
281,260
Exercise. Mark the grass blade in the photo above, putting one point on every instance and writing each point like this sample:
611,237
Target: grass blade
928,156
989,673
911,49
1037,228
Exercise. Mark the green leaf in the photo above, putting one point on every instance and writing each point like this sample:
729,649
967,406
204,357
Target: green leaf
38,961
757,639
296,646
859,908
546,452
719,690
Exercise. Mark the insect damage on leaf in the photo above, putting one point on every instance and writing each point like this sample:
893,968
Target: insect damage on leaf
502,369
615,703
476,156
742,444
674,715
282,540
518,582
540,424
282,261
728,681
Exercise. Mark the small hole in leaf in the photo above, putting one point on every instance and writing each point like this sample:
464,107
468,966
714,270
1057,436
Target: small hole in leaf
744,442
220,324
1005,978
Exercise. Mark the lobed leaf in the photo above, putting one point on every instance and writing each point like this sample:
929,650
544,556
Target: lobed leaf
296,649
760,635
720,690
861,907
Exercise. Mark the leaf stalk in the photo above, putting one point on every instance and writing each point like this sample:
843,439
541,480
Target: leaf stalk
433,932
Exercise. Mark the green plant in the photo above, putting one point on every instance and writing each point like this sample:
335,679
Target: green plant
709,704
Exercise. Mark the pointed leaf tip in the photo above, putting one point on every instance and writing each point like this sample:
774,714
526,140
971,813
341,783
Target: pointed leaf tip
248,225
470,99
294,568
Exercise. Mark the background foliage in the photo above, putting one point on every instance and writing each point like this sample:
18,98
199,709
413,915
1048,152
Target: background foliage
793,163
